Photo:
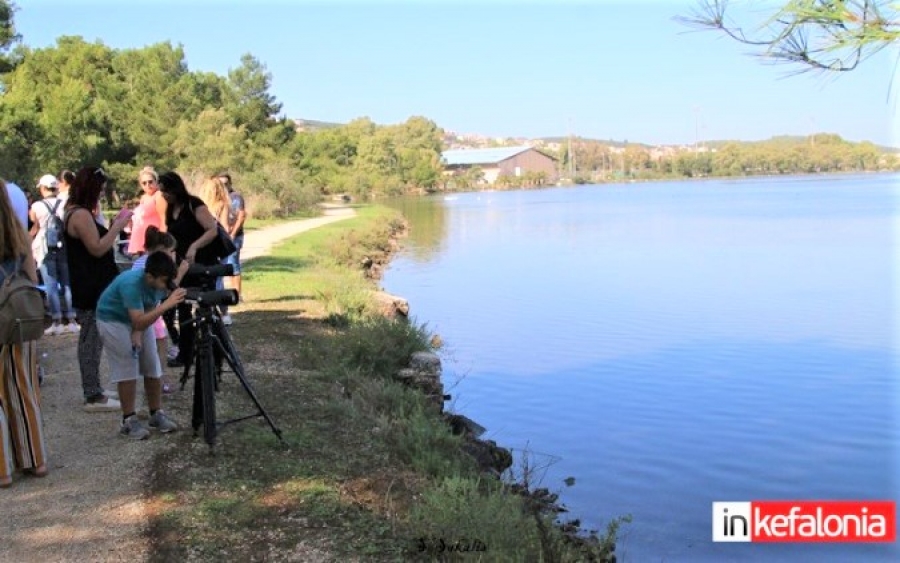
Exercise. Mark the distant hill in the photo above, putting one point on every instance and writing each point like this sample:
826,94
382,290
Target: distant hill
794,140
314,125
608,142
784,139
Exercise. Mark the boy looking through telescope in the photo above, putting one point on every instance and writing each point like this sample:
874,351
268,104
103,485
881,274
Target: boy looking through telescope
127,308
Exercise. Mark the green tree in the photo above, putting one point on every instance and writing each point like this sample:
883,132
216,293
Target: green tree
250,104
64,91
8,35
829,35
210,143
152,93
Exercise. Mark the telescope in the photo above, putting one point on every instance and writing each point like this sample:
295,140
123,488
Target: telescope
211,298
203,274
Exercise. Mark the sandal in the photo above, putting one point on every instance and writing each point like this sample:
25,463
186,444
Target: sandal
39,471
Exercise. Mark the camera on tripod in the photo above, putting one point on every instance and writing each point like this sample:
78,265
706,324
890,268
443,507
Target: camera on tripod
212,345
203,277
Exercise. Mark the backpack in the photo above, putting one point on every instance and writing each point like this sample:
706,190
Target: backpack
21,307
54,231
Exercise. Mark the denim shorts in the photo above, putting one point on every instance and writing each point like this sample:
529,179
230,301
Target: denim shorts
235,258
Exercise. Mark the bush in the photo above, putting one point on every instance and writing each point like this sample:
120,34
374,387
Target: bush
473,512
380,347
276,191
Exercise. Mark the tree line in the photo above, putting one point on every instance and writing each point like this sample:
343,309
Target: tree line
80,102
816,154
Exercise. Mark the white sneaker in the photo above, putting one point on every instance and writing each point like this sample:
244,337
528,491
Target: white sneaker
110,405
111,395
72,327
53,330
226,320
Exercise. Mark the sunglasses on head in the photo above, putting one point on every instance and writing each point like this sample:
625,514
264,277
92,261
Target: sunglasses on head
148,182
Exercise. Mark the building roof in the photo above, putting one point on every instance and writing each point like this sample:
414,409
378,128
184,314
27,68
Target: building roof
481,156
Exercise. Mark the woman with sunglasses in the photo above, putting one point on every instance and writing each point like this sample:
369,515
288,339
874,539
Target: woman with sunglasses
92,266
151,210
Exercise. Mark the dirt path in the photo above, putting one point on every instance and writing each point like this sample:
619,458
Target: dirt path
91,507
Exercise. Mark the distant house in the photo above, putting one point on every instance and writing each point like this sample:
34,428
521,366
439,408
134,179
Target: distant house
510,161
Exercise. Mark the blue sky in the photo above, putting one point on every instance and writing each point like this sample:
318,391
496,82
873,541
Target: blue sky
600,69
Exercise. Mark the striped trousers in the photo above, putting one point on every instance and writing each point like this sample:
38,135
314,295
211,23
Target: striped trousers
21,428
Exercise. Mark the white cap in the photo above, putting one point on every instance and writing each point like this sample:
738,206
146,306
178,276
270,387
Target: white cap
48,181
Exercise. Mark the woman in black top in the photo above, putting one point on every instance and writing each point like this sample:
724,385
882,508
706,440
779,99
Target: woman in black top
92,267
194,227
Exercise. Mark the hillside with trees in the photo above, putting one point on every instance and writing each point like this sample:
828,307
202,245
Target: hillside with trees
80,102
596,161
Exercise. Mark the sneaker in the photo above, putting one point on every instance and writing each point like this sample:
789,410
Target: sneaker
226,320
109,405
72,327
111,395
172,352
133,429
53,330
161,422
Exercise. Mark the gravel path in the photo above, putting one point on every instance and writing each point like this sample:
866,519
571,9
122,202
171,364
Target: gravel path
91,507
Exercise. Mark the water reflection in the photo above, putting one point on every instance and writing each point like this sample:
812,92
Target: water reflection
674,343
428,226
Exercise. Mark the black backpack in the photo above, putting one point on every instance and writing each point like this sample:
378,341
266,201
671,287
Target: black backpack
54,231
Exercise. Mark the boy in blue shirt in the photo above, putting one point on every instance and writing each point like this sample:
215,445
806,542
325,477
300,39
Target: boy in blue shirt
127,308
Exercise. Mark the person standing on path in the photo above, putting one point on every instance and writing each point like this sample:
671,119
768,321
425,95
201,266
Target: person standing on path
194,227
215,196
50,255
150,211
92,265
22,444
64,182
18,203
236,218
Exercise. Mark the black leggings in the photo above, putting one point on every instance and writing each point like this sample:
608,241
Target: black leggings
187,332
169,319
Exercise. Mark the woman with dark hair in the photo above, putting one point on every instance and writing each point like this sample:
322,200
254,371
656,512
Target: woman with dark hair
189,220
64,181
92,266
22,443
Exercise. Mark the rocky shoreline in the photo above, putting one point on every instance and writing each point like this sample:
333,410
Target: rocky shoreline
424,374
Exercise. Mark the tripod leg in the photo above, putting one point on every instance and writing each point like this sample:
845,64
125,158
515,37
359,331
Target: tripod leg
197,408
207,377
223,342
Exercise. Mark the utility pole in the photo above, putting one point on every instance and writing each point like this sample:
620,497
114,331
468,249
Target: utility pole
812,131
696,128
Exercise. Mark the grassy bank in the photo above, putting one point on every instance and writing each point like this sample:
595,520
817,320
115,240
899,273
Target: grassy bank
370,470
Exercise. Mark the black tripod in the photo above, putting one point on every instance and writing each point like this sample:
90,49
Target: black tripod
212,344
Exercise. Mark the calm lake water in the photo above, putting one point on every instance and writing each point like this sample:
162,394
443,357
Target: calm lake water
672,344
